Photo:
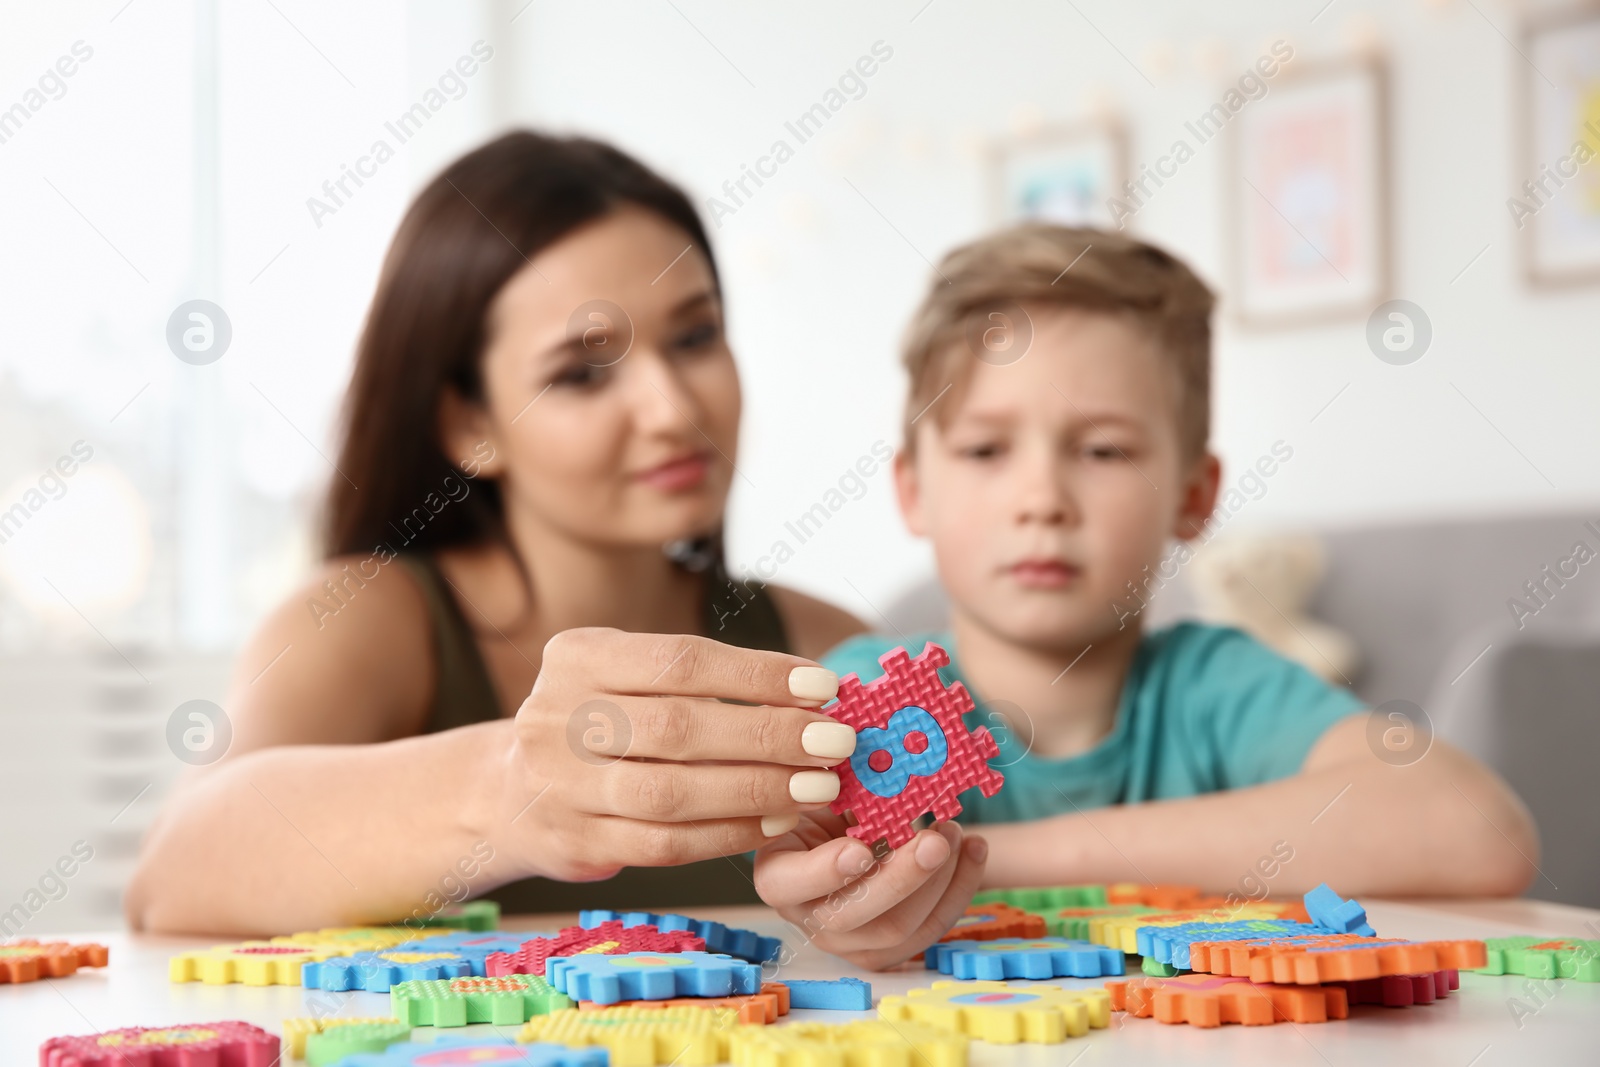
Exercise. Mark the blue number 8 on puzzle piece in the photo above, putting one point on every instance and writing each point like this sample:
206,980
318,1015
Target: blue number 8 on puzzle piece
911,746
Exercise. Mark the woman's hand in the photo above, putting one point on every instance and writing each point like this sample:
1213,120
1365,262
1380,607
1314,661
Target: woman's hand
625,755
874,913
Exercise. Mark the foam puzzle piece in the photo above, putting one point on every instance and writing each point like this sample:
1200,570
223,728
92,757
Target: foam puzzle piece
868,1043
1163,897
1541,957
651,976
330,1046
989,922
475,915
28,960
1045,900
841,994
1328,909
1014,957
1207,1001
1154,968
1003,1013
247,963
375,972
476,1051
297,1030
235,1044
611,938
634,1037
1074,922
1122,931
1403,990
351,939
759,1008
1170,944
476,947
1331,958
913,753
514,998
728,940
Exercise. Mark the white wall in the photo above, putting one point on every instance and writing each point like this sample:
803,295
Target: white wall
820,283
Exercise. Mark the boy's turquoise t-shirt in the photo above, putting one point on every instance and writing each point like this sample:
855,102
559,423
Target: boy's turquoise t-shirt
1204,708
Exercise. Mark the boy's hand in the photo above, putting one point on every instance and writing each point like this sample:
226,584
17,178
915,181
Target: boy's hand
873,913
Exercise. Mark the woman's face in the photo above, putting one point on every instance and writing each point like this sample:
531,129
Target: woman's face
612,400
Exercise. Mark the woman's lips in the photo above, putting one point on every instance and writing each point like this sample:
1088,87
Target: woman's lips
676,475
1044,573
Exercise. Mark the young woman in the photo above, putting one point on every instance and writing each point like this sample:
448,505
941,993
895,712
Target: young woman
539,442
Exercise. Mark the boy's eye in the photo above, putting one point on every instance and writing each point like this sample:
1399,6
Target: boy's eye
981,450
698,337
1104,452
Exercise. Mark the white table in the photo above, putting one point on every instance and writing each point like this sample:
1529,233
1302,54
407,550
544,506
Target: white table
1474,1027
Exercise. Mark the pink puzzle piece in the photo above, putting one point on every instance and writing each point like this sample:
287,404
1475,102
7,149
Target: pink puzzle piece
913,752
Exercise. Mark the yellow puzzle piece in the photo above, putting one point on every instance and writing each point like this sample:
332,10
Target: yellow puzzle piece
870,1043
1122,931
1004,1013
353,939
248,963
641,1037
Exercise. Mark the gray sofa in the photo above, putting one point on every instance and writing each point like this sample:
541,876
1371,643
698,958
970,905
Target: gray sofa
1428,605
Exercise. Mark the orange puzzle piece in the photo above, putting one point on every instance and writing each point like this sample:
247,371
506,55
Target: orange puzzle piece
28,961
992,921
1207,1000
763,1007
1332,958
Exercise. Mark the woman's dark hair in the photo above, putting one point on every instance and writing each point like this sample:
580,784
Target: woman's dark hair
473,227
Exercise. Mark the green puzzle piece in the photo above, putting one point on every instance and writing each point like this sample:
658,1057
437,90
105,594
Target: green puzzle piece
477,916
506,1000
1156,969
1544,957
335,1043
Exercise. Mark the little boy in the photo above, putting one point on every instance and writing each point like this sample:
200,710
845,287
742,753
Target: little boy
1055,447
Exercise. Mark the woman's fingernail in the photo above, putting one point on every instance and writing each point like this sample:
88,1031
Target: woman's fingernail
816,684
977,849
775,825
834,740
931,852
855,859
814,787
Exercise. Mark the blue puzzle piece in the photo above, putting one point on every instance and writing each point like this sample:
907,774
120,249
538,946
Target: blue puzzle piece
1342,916
476,1051
651,976
843,994
476,948
375,972
1170,944
911,745
1016,957
730,941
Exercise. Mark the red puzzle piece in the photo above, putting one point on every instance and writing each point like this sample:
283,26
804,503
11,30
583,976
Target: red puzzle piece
530,958
913,753
1403,990
234,1044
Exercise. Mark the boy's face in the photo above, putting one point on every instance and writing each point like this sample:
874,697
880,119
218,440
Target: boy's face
1056,480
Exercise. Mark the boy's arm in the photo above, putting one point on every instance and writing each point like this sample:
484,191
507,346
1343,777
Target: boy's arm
1443,826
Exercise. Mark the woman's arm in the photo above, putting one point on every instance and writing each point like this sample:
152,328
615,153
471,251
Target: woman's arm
327,812
318,813
1442,826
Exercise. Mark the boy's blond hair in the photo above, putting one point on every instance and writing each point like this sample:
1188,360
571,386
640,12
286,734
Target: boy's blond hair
1037,264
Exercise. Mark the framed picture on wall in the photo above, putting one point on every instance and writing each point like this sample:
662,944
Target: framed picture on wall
1308,225
1063,174
1555,200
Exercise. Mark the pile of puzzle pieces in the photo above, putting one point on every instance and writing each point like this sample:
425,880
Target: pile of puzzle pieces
640,989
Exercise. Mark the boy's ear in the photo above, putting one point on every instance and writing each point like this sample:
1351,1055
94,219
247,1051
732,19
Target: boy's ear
1199,498
464,428
908,490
